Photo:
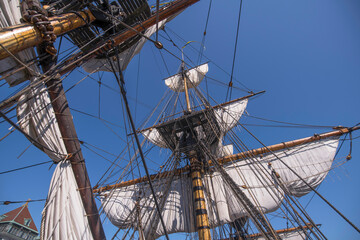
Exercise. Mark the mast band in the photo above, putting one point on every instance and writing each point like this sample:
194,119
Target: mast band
200,212
198,188
199,200
203,227
196,178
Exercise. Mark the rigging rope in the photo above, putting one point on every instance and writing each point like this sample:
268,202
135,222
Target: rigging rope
31,139
17,169
234,57
14,202
204,34
121,83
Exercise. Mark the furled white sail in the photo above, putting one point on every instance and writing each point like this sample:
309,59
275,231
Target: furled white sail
227,116
64,216
194,77
255,177
37,118
10,15
95,65
154,137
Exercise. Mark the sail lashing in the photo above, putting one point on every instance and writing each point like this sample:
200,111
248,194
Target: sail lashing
64,216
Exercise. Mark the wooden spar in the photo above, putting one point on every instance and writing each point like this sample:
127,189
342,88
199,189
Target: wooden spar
22,36
188,106
16,38
235,157
176,172
202,219
280,146
238,99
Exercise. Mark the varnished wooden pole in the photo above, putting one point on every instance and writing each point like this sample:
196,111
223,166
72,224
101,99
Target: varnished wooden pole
22,36
188,106
280,146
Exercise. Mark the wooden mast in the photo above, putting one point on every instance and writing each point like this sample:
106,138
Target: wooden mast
201,215
188,106
234,157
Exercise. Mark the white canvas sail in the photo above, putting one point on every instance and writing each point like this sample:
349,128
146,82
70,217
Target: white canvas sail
227,116
37,118
311,161
194,77
154,137
64,216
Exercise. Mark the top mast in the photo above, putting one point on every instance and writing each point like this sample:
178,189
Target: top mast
183,74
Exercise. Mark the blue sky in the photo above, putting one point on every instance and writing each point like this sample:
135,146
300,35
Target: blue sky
305,54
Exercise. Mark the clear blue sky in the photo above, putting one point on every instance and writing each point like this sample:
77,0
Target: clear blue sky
305,54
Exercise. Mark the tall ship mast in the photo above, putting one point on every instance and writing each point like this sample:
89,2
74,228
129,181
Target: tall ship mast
188,165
